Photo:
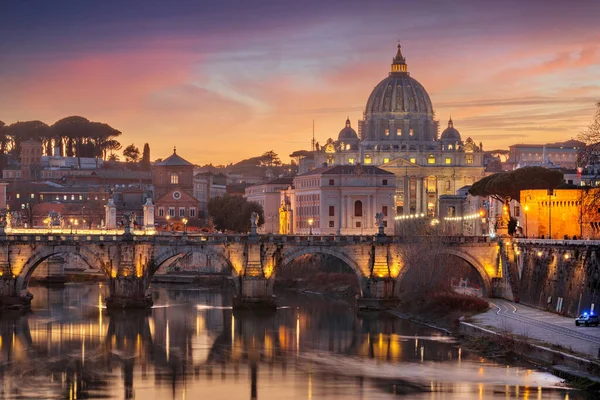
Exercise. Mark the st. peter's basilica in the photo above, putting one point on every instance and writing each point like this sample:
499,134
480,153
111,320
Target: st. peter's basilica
399,133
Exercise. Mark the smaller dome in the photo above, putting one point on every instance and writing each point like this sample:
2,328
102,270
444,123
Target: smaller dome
347,133
450,133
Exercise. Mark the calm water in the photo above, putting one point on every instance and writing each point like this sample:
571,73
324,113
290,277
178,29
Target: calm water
191,346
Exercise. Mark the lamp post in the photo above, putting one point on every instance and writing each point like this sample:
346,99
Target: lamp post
185,221
526,209
76,223
71,223
310,222
168,226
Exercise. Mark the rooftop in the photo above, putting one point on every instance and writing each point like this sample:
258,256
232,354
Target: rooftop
348,170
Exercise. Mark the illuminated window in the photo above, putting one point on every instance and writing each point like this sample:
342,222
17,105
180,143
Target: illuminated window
174,179
386,160
72,197
351,160
398,132
18,196
387,132
469,158
431,160
65,197
412,132
448,160
413,160
32,196
367,159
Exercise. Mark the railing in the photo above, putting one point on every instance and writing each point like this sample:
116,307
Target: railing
558,242
180,238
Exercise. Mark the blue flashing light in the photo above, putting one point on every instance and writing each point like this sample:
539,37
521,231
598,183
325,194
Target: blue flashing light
585,314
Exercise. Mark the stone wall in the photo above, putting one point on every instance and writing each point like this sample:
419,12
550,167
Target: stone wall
563,279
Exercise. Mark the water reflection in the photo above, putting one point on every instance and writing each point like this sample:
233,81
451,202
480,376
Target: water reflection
192,344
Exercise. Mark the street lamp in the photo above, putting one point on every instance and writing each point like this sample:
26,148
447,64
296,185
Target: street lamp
71,223
526,208
168,227
185,221
310,222
76,223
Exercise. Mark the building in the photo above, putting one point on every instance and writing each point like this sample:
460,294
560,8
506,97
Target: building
561,213
560,154
176,208
268,195
400,134
173,173
207,186
463,214
341,199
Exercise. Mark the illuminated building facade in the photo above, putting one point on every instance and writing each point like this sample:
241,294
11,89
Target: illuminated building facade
341,199
399,133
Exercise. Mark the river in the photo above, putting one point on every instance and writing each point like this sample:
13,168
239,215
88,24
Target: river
192,346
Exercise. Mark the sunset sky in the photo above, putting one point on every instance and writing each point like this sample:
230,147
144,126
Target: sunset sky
225,80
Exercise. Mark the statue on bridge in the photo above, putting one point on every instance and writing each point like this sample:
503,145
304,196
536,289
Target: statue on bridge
128,219
253,222
380,225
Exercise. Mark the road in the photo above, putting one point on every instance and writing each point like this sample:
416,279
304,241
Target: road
540,325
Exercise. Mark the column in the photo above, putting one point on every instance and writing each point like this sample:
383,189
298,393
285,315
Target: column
367,213
424,198
349,213
374,212
419,195
406,195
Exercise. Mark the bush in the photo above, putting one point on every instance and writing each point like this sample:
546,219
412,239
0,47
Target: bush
449,302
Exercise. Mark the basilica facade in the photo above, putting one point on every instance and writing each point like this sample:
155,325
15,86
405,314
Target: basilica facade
399,133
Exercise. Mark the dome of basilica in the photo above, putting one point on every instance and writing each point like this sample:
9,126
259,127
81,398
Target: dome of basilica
450,133
399,93
347,134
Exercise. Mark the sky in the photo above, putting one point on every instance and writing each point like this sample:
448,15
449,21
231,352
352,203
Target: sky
227,80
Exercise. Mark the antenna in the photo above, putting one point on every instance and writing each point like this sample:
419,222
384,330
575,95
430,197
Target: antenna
313,138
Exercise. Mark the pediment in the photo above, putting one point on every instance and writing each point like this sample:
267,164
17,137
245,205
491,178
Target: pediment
400,163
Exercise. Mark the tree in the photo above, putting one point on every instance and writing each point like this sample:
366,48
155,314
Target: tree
232,213
508,185
270,159
131,153
23,131
145,162
113,157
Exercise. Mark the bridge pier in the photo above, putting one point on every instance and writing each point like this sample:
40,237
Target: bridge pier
255,293
128,292
379,289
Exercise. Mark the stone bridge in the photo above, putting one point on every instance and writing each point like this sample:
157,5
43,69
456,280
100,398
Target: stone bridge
129,261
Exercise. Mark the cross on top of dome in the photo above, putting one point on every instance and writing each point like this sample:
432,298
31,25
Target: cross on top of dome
399,62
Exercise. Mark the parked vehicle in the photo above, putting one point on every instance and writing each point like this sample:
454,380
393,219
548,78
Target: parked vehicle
587,320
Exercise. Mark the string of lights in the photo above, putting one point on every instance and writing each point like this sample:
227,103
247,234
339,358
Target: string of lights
466,217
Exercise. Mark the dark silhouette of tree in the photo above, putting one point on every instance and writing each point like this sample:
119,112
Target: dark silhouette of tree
145,162
508,185
131,153
232,213
113,157
20,132
270,159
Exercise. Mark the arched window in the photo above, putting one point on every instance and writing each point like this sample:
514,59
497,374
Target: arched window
358,208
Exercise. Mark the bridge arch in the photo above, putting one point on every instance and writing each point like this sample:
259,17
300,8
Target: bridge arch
289,256
88,256
172,252
469,259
